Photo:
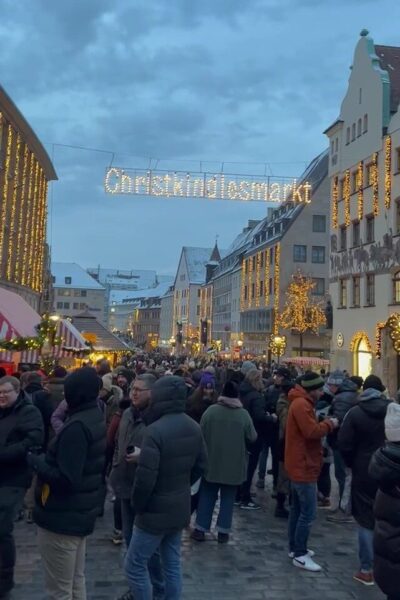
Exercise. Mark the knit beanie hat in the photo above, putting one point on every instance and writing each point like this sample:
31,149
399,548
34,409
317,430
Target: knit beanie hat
230,390
207,380
247,366
392,422
374,382
336,378
312,381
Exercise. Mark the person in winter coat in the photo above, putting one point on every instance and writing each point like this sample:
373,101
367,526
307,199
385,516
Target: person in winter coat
173,456
283,483
203,397
303,461
68,494
251,394
361,434
21,428
345,397
385,470
324,483
227,427
55,385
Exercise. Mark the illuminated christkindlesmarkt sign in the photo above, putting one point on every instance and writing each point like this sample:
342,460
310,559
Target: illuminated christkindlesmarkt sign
220,186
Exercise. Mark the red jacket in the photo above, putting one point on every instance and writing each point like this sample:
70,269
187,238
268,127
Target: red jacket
303,447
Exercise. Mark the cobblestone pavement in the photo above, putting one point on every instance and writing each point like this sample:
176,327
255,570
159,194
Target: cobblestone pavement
253,566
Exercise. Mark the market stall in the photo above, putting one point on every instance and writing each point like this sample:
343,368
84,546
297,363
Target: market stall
104,344
307,362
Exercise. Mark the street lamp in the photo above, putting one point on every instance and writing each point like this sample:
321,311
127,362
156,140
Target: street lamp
277,345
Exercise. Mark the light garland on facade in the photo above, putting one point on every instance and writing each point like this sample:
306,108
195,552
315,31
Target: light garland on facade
249,281
335,202
14,213
357,338
41,229
34,230
388,171
277,288
378,338
375,184
360,190
5,196
393,323
346,198
267,275
28,224
243,285
258,275
19,249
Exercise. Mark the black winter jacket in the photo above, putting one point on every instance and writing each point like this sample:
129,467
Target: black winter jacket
385,471
21,427
345,398
254,402
361,434
41,398
173,457
69,490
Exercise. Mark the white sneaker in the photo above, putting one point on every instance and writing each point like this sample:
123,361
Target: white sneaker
307,563
310,553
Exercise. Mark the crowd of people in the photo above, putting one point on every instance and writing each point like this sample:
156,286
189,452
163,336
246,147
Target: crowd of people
170,442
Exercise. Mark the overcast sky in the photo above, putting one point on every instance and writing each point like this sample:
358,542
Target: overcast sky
242,81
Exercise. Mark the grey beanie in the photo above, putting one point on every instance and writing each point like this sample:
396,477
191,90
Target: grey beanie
247,366
336,378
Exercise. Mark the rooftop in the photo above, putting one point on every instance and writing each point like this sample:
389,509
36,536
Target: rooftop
133,278
105,340
126,297
75,275
389,59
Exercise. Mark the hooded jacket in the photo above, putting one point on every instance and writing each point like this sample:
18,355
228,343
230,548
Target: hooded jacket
303,447
361,434
384,469
173,457
70,475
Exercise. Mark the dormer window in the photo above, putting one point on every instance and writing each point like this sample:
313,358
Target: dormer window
68,280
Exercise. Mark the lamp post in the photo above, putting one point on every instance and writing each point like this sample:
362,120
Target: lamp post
277,345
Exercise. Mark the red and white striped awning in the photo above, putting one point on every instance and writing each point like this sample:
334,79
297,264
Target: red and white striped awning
306,361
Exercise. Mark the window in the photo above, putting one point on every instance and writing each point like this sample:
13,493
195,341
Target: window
369,174
353,132
68,280
354,182
370,290
271,256
360,97
356,233
319,289
370,229
365,124
261,260
245,292
342,293
254,262
198,293
319,223
343,238
261,288
396,288
318,254
356,291
82,306
341,189
336,144
66,305
253,290
75,305
397,158
299,253
59,304
198,310
83,293
358,127
348,136
53,279
332,147
270,286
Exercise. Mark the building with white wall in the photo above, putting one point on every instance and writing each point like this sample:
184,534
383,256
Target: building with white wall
364,169
75,292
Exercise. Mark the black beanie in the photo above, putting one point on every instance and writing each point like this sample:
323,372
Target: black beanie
129,375
81,386
311,381
230,390
374,382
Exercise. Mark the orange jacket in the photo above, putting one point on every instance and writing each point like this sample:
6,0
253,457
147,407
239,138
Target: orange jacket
303,448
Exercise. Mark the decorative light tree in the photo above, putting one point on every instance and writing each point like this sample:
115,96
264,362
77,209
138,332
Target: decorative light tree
301,313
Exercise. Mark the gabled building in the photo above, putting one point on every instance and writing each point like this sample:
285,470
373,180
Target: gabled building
364,169
293,237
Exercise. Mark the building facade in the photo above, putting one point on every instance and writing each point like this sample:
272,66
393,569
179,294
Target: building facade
145,324
25,171
166,318
293,238
75,292
364,169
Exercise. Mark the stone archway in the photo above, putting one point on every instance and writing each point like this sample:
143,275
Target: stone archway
362,354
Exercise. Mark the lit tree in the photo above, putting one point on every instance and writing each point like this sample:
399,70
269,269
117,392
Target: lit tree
301,313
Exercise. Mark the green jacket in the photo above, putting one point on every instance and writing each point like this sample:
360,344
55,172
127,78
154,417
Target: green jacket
227,430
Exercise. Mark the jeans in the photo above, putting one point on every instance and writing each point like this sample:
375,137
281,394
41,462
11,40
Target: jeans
303,511
11,499
244,494
365,549
340,472
142,548
208,497
324,481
